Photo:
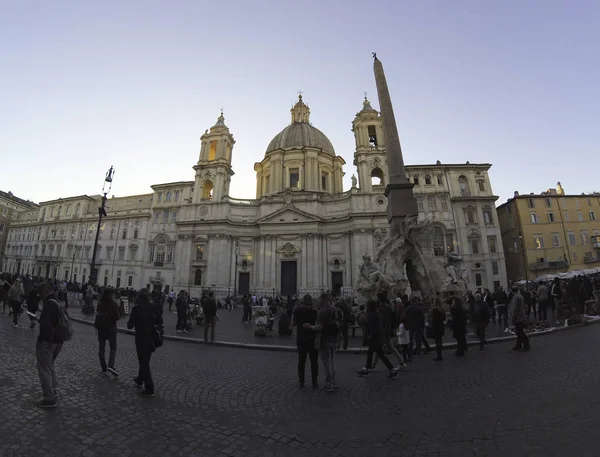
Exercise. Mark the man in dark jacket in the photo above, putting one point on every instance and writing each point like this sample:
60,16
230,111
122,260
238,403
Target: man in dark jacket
107,315
209,307
375,336
145,318
181,305
48,346
481,317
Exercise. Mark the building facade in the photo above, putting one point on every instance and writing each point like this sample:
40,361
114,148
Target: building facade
10,206
550,233
303,232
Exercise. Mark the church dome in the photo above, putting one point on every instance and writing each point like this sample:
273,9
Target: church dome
300,133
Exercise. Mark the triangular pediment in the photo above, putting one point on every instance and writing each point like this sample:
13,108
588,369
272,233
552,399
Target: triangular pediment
288,214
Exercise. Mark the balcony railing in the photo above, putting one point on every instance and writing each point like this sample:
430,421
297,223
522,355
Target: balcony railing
548,265
159,263
155,279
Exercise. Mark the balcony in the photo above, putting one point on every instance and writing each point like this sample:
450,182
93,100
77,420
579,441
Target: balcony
537,266
592,258
156,280
159,264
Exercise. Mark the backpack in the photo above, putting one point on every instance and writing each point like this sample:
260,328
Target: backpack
64,329
101,321
335,322
158,336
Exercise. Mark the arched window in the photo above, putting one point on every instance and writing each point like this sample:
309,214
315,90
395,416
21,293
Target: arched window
177,196
198,277
161,249
168,198
427,180
439,243
207,191
463,184
377,177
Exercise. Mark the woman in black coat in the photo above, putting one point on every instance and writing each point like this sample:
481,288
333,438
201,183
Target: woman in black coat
459,326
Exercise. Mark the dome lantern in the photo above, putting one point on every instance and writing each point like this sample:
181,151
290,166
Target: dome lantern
300,112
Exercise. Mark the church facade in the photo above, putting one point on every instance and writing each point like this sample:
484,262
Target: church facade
301,234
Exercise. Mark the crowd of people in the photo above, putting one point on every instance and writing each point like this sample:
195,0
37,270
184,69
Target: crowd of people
399,326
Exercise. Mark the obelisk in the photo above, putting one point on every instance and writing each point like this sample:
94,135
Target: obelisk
398,191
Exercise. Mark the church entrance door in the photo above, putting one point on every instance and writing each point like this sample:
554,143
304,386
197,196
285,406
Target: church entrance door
243,283
337,281
289,277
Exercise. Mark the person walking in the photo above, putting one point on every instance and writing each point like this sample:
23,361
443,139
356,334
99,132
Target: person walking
390,324
459,326
145,318
209,307
107,315
305,340
16,294
376,335
181,305
171,299
501,300
482,319
415,321
329,324
438,317
48,346
247,305
519,318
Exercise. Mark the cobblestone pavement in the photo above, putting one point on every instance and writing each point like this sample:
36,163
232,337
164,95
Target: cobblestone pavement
219,402
231,329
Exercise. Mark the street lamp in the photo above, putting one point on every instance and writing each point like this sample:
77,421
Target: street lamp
88,308
235,276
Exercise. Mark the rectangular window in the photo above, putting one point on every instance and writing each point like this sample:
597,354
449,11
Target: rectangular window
478,281
121,252
152,249
420,203
481,185
199,252
555,240
294,178
538,241
159,197
324,179
531,203
572,239
495,269
267,184
579,216
173,216
444,202
431,203
439,180
169,253
212,151
577,204
487,217
475,246
135,234
584,237
156,216
177,196
129,281
549,203
592,215
534,218
566,216
470,216
124,234
492,244
372,132
165,216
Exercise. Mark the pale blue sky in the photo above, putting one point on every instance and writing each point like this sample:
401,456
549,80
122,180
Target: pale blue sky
86,85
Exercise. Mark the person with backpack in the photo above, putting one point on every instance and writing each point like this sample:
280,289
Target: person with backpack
147,320
329,323
55,329
107,315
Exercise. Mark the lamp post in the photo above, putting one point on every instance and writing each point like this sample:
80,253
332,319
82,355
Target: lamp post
235,276
88,308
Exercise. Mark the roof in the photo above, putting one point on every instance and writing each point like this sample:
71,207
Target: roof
299,135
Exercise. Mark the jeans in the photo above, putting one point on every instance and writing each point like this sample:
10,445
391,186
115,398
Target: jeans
16,310
46,354
480,328
109,335
209,322
522,338
247,314
543,310
144,353
438,345
181,320
304,352
328,360
502,312
377,348
415,335
389,343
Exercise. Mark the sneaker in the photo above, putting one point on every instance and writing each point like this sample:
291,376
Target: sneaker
15,326
400,367
393,375
47,404
363,373
112,371
103,370
137,382
146,394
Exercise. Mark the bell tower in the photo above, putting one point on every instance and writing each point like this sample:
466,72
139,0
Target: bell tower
213,170
369,156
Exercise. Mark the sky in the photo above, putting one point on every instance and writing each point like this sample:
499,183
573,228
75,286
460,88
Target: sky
134,84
